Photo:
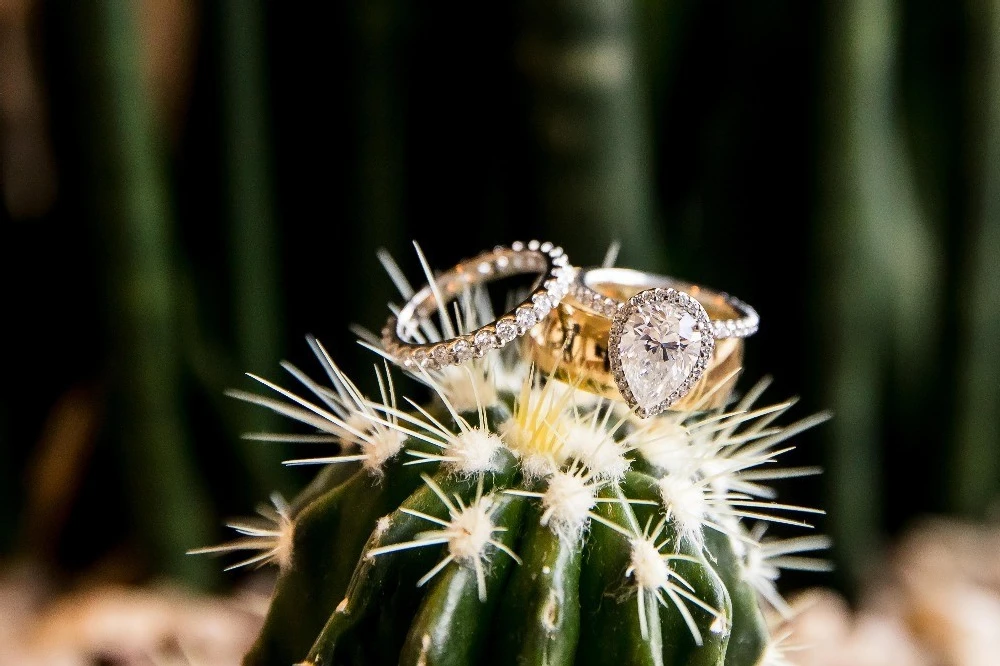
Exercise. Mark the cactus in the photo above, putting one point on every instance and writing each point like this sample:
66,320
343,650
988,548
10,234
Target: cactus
515,519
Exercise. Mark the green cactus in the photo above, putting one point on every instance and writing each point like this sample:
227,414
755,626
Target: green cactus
515,519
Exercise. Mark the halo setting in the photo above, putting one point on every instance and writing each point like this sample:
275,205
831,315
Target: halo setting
660,343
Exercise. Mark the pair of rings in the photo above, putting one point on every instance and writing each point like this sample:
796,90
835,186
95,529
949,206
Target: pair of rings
655,342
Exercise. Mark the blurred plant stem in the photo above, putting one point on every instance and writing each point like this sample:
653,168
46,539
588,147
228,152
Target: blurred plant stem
254,237
583,62
975,466
171,507
885,269
863,181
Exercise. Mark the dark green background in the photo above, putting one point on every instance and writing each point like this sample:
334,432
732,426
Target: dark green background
833,163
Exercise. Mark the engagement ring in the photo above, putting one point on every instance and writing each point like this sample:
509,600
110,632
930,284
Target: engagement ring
650,339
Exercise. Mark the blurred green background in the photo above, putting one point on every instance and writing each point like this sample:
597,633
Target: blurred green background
189,188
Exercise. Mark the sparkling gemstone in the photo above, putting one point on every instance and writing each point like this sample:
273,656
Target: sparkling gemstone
543,305
484,342
659,348
506,330
461,350
441,355
526,318
556,289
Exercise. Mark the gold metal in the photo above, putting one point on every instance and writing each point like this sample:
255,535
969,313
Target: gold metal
572,343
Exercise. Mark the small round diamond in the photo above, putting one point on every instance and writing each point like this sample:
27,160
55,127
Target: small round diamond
506,330
543,305
461,350
556,289
484,341
525,318
442,355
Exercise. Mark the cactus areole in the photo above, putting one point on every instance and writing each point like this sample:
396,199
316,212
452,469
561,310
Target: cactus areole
510,518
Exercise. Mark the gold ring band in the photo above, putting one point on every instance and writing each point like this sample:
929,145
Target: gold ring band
578,341
572,344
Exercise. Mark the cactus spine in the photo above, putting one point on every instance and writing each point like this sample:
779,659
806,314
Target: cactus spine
514,519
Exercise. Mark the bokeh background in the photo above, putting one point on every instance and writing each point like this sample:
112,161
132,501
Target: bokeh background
188,188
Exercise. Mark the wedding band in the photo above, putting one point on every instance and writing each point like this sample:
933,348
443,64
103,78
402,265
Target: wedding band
402,338
636,336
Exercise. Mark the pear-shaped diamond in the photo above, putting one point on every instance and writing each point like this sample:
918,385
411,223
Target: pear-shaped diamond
660,343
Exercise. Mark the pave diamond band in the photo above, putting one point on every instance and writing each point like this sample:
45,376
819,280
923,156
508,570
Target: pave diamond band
402,337
605,290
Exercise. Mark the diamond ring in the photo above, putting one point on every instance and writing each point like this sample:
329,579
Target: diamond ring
654,341
402,338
